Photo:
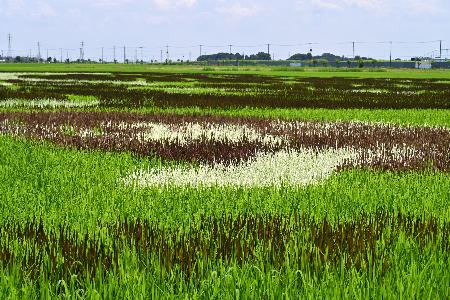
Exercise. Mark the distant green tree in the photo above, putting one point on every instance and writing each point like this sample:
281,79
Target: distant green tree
259,56
361,63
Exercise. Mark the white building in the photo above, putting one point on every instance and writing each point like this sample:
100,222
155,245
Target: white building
424,64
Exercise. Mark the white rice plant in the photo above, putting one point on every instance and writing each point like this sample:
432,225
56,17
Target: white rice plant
191,132
283,168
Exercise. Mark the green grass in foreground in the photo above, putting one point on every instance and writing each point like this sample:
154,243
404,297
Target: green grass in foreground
83,190
260,70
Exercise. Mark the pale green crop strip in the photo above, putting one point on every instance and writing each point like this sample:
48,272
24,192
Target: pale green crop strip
47,103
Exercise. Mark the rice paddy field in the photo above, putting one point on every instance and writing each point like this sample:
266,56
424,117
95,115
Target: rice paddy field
138,182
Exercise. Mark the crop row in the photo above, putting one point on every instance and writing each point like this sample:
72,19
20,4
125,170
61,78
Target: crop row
228,140
273,241
200,90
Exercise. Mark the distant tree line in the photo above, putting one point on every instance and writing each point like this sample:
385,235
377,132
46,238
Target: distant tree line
236,56
325,57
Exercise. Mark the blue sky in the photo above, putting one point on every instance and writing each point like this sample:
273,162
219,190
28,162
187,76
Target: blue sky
184,24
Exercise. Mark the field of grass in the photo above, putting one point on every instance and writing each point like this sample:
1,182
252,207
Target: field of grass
135,182
260,70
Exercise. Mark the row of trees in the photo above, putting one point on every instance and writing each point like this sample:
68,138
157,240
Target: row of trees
236,56
329,57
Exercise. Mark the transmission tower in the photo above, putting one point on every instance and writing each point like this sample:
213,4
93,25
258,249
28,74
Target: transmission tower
82,51
9,54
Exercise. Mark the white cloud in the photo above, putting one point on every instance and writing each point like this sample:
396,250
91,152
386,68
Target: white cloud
9,7
170,4
110,3
239,10
376,6
34,9
43,9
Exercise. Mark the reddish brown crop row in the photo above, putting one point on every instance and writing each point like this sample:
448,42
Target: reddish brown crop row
379,146
210,239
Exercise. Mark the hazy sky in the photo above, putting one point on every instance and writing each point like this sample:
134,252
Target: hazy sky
184,24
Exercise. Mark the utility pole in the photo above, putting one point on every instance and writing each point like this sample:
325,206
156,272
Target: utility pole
161,59
201,50
135,56
440,48
268,49
124,54
390,54
47,55
230,50
61,55
102,55
9,54
142,54
82,52
114,54
353,50
39,52
167,53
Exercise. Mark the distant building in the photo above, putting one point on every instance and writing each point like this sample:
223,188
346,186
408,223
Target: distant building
423,64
